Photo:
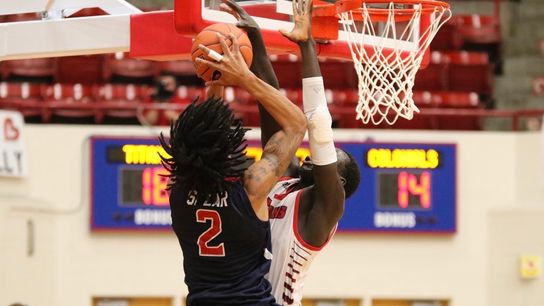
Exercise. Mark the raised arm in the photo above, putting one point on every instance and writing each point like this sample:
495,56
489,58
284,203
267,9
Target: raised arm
215,92
260,66
279,150
326,197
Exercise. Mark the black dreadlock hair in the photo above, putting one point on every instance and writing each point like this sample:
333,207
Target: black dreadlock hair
206,146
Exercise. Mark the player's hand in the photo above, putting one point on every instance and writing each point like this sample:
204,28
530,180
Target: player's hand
245,21
302,14
233,68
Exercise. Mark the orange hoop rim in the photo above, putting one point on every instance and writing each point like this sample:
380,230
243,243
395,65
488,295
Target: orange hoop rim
322,8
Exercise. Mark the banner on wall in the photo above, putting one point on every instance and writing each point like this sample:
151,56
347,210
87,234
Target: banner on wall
12,154
405,188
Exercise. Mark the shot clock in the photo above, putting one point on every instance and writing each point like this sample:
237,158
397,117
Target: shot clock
405,188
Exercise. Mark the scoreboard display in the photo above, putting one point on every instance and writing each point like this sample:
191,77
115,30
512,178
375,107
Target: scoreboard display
404,187
128,185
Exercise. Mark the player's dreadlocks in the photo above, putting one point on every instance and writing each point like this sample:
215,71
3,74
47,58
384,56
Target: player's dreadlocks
206,146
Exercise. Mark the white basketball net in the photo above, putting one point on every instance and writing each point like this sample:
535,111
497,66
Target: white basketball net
387,72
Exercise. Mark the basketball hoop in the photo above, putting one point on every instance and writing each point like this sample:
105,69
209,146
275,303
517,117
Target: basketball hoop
388,41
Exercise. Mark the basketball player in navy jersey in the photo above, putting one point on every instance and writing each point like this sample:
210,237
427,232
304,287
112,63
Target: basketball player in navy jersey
304,211
219,211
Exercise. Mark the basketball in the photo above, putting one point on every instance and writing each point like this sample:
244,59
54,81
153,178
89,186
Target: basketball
208,37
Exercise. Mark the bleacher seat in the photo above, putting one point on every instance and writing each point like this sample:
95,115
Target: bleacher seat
122,69
422,99
455,99
345,117
448,38
31,70
457,71
183,71
248,113
90,69
432,78
293,94
482,33
477,78
342,103
243,105
120,100
475,28
465,58
342,97
186,94
288,70
338,74
241,96
24,97
71,103
177,67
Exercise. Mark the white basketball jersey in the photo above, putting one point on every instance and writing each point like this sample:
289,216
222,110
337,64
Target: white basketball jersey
292,255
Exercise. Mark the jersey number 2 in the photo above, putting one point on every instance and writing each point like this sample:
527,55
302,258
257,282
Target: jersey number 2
203,216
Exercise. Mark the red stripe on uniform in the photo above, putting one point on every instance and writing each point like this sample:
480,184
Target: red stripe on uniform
289,276
287,299
300,255
288,287
302,249
298,263
292,268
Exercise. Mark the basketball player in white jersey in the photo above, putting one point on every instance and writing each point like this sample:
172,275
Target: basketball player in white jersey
304,211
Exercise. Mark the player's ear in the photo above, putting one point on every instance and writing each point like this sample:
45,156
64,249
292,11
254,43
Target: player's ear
343,181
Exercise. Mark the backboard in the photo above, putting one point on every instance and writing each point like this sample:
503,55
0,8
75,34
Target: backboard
193,15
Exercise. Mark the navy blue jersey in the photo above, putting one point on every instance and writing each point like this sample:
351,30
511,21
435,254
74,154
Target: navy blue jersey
224,246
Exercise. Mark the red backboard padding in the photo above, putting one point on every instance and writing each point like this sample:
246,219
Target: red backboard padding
166,35
153,36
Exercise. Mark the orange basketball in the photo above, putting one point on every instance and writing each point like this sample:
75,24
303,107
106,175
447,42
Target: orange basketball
208,37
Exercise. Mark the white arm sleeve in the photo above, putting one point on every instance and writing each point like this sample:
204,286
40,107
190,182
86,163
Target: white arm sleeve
319,120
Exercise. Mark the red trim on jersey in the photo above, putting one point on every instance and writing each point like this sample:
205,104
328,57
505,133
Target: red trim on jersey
287,299
285,178
297,233
293,268
288,275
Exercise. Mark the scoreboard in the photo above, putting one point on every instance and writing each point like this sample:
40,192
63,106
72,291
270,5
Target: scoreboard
404,187
128,185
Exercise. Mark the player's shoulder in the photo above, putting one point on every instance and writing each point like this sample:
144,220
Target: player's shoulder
285,183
